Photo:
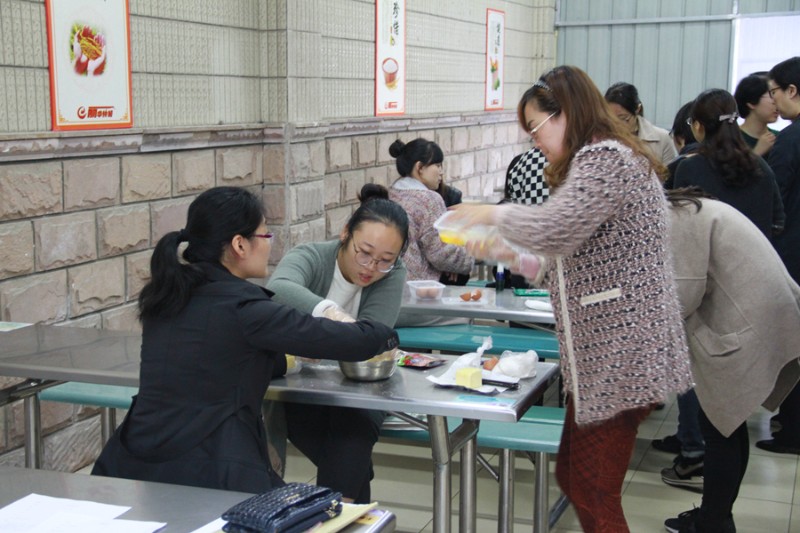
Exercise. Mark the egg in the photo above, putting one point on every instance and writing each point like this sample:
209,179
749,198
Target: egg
476,295
465,296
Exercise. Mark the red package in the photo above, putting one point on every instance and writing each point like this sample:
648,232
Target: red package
419,360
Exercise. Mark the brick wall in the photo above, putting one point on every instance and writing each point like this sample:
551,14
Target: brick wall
76,232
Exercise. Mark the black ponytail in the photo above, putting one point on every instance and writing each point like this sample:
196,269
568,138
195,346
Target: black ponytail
213,220
419,150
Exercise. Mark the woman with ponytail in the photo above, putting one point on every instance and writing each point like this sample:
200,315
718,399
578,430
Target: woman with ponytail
725,167
211,343
358,275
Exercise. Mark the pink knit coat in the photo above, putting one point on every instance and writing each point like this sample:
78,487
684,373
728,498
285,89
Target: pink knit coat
605,232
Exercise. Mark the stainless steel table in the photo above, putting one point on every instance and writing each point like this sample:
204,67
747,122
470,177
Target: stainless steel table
183,508
112,358
503,305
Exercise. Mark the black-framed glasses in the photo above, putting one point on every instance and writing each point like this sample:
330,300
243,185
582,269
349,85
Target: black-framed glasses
771,92
366,260
689,122
263,235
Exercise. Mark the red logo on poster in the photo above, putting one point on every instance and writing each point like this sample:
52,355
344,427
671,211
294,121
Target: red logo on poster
96,111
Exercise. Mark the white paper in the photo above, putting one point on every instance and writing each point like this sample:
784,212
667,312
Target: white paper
81,523
44,514
448,377
211,527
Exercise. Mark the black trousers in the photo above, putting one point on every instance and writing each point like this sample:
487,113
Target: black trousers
789,415
339,441
723,469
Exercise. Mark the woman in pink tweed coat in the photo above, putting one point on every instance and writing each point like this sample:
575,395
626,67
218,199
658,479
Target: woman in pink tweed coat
604,232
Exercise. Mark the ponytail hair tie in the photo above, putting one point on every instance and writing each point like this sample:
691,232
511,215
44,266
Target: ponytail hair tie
730,117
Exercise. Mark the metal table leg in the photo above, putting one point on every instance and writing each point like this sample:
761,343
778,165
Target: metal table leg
33,432
505,507
541,513
440,448
467,496
443,445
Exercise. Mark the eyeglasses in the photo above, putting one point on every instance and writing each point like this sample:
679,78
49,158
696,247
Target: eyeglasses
366,260
263,235
535,130
689,122
625,118
772,91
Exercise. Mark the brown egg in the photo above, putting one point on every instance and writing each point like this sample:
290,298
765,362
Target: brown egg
465,296
476,295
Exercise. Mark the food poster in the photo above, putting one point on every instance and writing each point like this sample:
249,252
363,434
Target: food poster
390,57
90,67
495,43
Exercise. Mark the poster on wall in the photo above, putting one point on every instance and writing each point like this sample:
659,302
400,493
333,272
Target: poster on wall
495,43
90,65
390,57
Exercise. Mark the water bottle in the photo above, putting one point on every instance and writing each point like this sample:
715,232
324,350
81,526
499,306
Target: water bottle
500,278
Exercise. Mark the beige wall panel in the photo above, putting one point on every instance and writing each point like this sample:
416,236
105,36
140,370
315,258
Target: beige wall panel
348,19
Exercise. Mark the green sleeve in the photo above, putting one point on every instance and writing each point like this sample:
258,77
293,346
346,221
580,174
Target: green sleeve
298,277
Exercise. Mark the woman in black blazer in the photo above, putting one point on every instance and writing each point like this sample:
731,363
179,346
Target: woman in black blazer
211,342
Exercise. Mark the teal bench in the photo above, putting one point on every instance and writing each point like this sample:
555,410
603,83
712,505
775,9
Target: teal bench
106,397
538,434
467,338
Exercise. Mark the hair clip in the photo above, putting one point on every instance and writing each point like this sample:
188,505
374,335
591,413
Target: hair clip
730,117
540,83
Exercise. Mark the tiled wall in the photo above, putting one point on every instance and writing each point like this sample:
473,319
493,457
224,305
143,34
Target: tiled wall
274,95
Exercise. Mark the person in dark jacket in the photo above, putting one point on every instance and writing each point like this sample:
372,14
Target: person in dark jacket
724,165
211,343
784,158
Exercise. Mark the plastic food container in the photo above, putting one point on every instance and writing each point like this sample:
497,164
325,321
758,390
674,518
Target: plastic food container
425,289
454,233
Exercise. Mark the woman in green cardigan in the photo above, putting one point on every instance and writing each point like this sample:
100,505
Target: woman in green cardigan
357,276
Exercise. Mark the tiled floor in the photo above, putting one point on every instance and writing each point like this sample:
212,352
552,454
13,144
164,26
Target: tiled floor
769,500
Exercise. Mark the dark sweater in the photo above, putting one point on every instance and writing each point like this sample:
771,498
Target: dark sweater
757,200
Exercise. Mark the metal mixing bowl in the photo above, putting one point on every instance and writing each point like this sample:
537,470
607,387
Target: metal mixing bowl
375,369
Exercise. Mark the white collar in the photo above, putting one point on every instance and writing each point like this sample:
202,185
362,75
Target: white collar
409,184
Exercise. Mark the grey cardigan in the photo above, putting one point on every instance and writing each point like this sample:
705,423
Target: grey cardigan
303,278
741,309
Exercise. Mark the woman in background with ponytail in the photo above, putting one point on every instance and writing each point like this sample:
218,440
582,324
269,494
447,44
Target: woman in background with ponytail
359,275
419,164
211,343
725,167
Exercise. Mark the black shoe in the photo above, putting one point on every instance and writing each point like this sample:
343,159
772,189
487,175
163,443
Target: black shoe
669,444
659,406
684,523
772,445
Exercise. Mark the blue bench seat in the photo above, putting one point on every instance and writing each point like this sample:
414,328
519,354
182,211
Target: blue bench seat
468,337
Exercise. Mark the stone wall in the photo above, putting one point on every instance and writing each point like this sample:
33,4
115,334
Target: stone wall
77,229
273,95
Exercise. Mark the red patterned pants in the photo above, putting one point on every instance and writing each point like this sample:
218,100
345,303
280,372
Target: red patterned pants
591,466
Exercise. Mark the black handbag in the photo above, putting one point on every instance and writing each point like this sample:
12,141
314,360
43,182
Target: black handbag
293,508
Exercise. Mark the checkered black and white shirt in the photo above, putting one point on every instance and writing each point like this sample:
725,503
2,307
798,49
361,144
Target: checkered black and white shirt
525,183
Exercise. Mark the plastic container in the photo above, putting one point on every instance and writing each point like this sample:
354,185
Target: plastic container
425,289
454,233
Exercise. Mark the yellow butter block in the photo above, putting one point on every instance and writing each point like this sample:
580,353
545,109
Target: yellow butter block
469,377
448,237
291,362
